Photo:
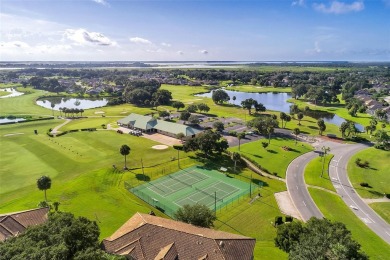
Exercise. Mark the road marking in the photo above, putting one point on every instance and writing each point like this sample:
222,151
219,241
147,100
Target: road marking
304,203
366,220
337,186
333,178
342,186
387,233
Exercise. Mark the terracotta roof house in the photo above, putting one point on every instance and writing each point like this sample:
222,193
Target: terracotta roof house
12,224
146,237
149,124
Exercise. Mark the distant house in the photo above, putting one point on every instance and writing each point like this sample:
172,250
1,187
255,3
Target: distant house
12,224
148,124
149,237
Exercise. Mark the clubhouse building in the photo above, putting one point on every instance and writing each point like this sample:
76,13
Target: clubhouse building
148,124
145,237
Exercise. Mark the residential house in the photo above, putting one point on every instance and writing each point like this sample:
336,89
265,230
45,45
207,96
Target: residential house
12,224
146,237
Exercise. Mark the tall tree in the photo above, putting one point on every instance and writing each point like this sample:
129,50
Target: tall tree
283,117
236,157
265,125
240,136
44,183
248,104
321,126
299,116
219,96
125,151
178,105
218,126
296,132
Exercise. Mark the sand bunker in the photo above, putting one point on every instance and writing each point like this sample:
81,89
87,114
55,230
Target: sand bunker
160,147
100,112
14,134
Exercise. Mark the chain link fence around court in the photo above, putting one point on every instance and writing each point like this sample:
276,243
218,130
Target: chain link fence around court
169,207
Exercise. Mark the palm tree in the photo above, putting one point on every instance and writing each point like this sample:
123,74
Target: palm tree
296,132
300,116
235,157
125,150
52,107
44,183
240,136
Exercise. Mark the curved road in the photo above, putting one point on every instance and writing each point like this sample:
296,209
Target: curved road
338,174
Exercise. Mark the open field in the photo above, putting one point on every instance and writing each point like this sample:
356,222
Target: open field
335,209
313,173
383,210
377,175
90,123
274,153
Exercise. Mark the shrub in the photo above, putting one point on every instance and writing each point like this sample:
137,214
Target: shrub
233,133
388,195
289,219
264,144
364,184
358,161
278,220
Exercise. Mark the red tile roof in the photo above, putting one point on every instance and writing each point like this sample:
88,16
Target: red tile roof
149,237
12,224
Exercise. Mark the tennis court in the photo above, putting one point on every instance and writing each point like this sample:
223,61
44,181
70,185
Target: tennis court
190,186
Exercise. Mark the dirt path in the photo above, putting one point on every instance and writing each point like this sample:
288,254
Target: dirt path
55,129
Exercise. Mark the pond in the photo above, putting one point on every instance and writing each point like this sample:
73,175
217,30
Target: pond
80,103
14,92
6,120
278,102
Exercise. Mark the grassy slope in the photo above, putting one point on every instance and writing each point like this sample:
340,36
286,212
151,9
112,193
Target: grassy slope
335,209
313,173
254,219
274,153
377,175
4,93
383,209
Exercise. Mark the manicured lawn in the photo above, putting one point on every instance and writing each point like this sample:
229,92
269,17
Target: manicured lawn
335,209
90,123
313,173
274,158
258,89
4,93
254,219
66,157
377,175
339,109
383,209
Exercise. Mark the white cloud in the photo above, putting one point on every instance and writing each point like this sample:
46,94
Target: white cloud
337,7
13,44
83,37
205,52
166,44
298,3
139,40
180,52
102,2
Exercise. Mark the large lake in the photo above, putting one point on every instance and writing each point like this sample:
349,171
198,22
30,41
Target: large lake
278,102
81,103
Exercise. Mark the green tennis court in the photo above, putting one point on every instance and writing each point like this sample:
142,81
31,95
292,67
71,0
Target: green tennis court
190,186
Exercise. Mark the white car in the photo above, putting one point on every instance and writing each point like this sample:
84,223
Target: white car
353,207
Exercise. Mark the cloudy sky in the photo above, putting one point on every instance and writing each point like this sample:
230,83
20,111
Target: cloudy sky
196,30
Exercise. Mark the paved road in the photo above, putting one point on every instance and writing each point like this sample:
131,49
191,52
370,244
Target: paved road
338,174
297,188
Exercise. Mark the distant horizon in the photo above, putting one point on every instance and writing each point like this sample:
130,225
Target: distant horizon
193,30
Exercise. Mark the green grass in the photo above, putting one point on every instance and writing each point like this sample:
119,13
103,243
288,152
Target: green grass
335,209
337,109
274,153
313,173
258,89
66,157
383,209
90,123
4,93
254,219
377,175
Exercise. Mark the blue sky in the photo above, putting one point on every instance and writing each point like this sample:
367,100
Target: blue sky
238,30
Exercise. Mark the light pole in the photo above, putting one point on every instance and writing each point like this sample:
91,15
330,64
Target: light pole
325,150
